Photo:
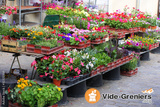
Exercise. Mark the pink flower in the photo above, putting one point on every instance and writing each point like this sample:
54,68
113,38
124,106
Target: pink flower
79,71
41,76
63,67
130,20
88,26
52,70
71,60
67,63
53,56
76,69
45,57
71,67
33,63
51,77
46,73
82,63
76,39
26,77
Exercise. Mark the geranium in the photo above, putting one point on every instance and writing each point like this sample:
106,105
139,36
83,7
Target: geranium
8,10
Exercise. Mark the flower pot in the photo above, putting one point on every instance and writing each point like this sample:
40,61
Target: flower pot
57,82
56,105
13,104
153,27
30,45
143,29
81,44
37,50
45,48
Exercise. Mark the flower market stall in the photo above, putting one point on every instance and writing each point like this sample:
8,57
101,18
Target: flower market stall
74,48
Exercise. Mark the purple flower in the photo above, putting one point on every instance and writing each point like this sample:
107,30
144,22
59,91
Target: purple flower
137,44
122,47
63,37
69,34
83,39
67,38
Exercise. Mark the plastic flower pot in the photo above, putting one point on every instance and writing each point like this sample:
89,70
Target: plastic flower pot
14,104
37,50
45,48
56,105
57,82
48,79
81,44
30,45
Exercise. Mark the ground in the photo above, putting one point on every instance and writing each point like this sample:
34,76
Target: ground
148,77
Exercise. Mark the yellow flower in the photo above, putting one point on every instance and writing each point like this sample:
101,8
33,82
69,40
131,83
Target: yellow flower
21,79
34,37
18,86
59,89
30,85
28,34
39,89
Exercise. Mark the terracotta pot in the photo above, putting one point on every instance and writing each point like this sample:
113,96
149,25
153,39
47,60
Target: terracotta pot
153,27
57,82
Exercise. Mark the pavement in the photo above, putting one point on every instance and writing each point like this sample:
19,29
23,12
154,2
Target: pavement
148,76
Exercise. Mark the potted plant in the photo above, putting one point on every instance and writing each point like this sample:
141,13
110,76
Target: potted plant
29,93
129,68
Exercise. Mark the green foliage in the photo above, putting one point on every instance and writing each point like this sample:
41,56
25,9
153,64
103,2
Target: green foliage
48,43
5,27
131,65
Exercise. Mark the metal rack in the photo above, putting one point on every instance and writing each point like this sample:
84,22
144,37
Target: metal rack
22,11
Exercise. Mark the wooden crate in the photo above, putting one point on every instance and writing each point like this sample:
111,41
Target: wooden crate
12,46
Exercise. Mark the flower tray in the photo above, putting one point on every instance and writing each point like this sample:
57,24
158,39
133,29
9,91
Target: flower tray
43,49
12,46
93,72
129,73
79,46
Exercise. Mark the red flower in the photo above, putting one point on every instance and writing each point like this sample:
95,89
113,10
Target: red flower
62,51
102,19
19,92
54,31
9,90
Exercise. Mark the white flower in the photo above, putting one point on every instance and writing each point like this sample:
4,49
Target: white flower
91,65
87,66
83,57
93,58
87,56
